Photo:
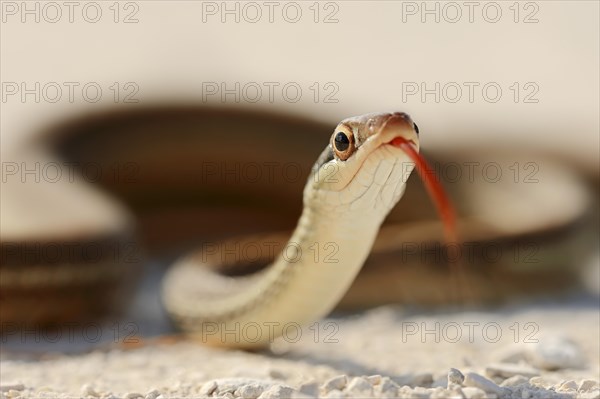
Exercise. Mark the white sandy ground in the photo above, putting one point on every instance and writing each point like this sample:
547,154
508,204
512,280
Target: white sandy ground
384,352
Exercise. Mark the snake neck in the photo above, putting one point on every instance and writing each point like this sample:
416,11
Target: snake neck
304,283
335,240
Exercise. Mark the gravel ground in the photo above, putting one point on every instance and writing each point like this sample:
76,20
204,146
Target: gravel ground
534,351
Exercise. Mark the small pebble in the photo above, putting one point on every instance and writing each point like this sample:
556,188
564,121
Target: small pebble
133,395
374,379
387,388
208,388
337,382
515,381
568,386
152,394
310,389
360,386
335,394
479,381
228,385
277,392
455,377
473,393
250,391
505,370
587,385
13,387
556,353
538,381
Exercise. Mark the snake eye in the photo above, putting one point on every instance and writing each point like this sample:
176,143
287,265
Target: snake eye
416,127
343,143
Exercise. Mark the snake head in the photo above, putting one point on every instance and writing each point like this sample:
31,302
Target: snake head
360,167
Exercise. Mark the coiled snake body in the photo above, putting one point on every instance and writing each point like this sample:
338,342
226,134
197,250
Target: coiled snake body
356,181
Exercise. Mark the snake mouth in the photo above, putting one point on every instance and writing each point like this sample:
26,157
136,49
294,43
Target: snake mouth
400,126
398,141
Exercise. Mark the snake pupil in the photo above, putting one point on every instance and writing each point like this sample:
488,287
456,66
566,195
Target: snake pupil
341,142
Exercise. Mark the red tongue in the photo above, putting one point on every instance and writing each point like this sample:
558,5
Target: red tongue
433,186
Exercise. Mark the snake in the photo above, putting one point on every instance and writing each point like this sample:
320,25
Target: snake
154,213
358,178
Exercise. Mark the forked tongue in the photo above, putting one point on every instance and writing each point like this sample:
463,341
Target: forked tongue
434,188
460,289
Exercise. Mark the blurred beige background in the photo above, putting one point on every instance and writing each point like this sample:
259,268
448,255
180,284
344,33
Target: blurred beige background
170,52
370,56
